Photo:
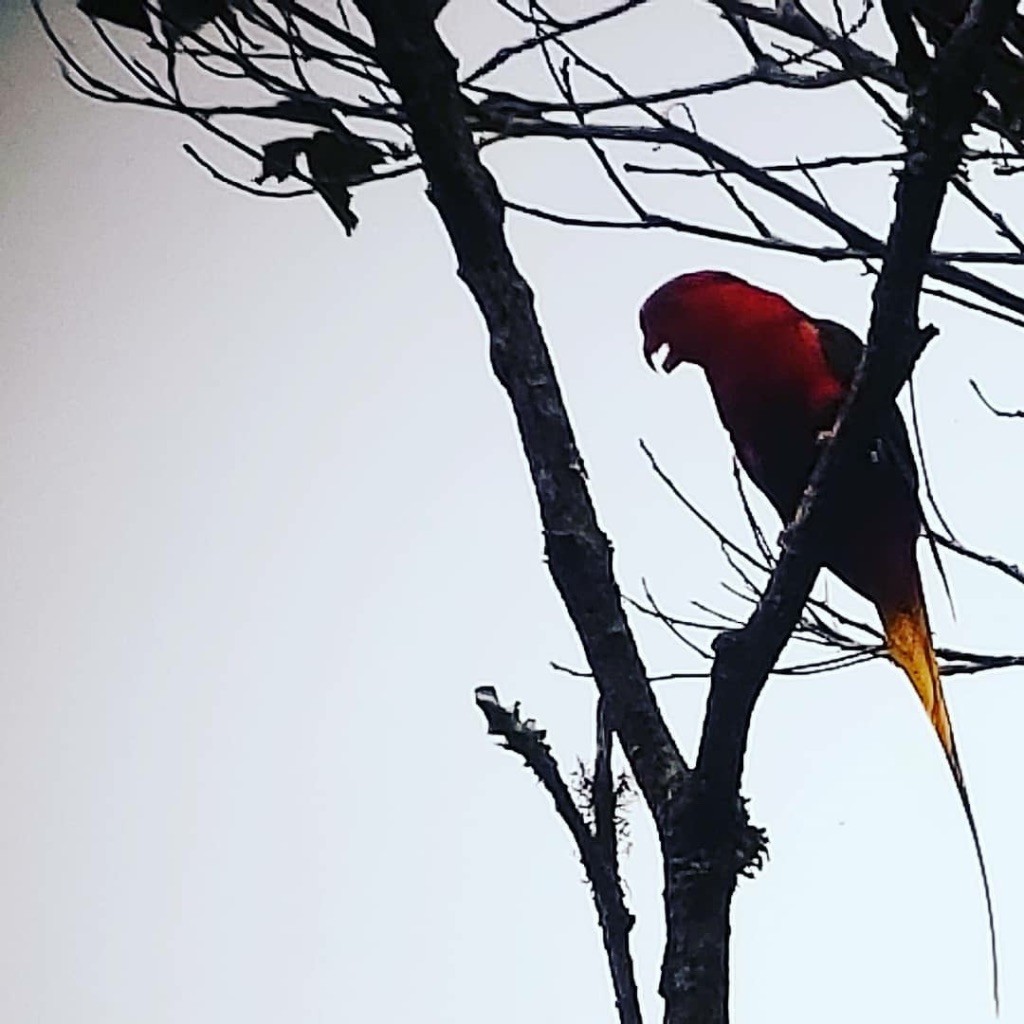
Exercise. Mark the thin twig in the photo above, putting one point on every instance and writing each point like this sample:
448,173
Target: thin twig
1012,414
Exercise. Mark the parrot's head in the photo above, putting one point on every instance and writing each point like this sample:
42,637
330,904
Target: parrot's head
697,316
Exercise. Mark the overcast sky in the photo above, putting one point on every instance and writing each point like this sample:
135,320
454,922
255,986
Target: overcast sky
265,524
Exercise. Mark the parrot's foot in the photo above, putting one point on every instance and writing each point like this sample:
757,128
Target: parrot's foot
825,437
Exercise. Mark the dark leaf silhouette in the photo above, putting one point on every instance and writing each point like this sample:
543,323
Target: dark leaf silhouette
279,159
336,159
126,13
341,154
180,17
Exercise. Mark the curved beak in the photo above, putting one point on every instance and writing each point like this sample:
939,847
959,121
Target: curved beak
671,361
652,346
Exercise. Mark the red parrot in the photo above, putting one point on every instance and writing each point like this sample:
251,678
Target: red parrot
778,377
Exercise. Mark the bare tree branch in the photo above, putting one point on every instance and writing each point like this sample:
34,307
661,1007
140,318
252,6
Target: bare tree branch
579,556
523,737
506,53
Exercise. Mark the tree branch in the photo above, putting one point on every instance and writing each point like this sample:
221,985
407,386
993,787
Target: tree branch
1006,413
524,738
603,788
579,555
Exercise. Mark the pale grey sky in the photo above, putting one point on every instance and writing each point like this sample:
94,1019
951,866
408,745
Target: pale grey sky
264,525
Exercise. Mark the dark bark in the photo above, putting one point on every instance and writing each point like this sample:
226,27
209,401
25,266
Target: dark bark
695,968
604,797
911,57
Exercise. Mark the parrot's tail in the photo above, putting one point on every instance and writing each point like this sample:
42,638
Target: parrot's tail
909,640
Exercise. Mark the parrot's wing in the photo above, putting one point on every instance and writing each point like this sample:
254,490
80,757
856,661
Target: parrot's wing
842,348
843,351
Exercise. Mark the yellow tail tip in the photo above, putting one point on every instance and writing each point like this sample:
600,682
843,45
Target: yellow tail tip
909,641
